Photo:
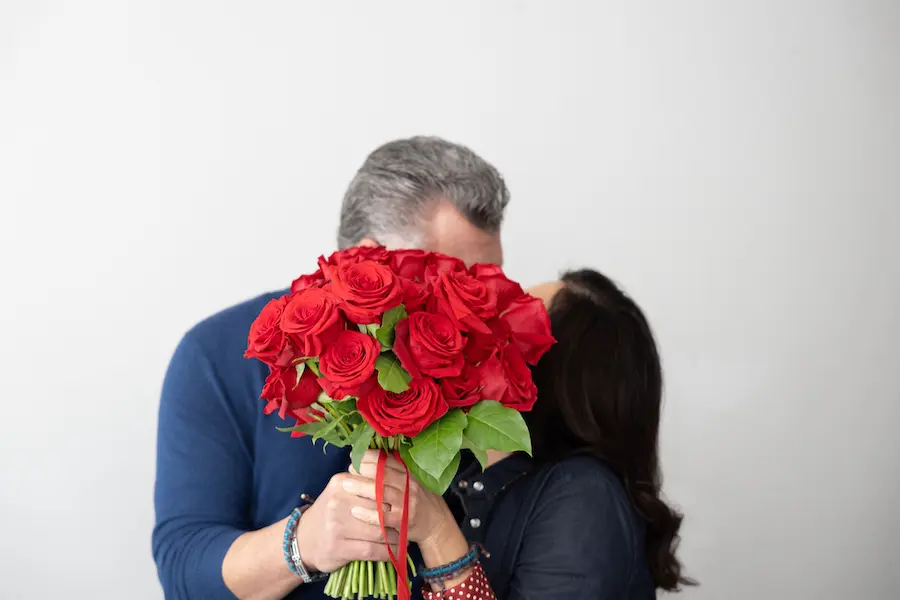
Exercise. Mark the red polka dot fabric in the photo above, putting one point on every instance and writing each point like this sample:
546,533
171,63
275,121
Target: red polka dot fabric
475,587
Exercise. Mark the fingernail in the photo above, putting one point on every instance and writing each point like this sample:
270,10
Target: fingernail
360,512
349,485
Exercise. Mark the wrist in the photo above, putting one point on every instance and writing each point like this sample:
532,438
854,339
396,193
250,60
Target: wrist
307,555
443,529
446,543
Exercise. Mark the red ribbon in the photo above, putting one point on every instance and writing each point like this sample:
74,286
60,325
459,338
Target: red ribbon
399,561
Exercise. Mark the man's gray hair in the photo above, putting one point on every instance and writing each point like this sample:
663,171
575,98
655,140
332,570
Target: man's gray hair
402,182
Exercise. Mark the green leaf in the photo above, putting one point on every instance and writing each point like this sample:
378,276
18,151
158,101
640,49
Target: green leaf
301,367
313,364
434,448
354,419
345,407
320,430
371,328
324,398
307,428
332,434
360,440
480,453
385,334
492,426
362,328
437,485
392,377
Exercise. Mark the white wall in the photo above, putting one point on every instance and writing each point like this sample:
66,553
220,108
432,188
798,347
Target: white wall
736,165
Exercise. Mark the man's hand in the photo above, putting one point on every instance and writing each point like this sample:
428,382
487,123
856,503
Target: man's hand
431,524
328,535
429,515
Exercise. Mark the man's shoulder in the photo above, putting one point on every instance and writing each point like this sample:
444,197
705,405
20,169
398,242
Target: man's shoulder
228,328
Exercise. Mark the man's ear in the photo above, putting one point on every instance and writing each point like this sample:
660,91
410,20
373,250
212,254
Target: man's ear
368,242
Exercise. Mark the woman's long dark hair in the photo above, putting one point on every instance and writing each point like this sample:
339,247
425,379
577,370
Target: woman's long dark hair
600,393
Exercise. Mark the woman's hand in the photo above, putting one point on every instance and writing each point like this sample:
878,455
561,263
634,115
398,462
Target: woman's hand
429,517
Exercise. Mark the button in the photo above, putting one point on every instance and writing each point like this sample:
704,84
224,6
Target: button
463,484
478,486
475,523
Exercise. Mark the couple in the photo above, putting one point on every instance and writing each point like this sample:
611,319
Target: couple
583,518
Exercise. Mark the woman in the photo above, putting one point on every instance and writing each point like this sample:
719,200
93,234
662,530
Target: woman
584,517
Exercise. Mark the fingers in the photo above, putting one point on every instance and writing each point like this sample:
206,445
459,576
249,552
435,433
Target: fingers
331,533
368,504
365,531
393,471
363,487
371,459
370,516
369,551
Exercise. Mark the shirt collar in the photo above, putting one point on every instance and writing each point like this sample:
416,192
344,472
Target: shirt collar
471,482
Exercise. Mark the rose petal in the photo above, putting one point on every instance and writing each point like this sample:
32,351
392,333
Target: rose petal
401,348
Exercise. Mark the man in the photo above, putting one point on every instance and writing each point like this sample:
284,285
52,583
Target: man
226,480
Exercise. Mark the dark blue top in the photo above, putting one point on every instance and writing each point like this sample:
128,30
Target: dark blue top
562,531
558,531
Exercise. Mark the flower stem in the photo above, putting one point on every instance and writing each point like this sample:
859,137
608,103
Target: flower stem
392,579
347,580
383,582
338,417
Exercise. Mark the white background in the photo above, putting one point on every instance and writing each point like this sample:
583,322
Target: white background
735,165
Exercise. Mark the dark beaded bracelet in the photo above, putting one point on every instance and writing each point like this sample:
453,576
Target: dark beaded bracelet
289,531
451,570
291,549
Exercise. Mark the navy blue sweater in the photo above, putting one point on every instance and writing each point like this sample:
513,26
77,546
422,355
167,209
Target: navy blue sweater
553,531
222,469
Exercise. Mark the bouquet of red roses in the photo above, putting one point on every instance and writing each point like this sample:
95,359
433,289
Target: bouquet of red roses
405,351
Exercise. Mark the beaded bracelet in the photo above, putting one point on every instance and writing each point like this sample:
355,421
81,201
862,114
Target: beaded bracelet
451,570
290,531
292,550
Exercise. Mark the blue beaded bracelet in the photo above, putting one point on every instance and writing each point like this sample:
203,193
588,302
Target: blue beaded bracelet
289,530
451,570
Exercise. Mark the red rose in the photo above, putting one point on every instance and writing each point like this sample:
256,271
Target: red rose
266,341
312,320
285,394
505,289
305,415
303,282
522,392
429,344
347,364
480,346
406,413
352,255
415,294
465,390
493,378
528,325
358,253
366,290
409,264
438,263
507,379
465,299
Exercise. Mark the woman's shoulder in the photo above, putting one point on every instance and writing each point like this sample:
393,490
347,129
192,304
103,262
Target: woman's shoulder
584,473
588,486
580,521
